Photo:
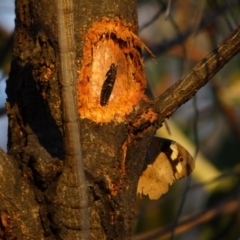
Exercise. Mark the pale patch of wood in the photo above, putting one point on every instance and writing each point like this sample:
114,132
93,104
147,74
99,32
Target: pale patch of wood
111,42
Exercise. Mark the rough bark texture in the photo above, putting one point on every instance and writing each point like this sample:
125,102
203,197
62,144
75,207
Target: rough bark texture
112,156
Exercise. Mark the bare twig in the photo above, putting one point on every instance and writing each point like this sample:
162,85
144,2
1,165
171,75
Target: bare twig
187,86
154,18
180,38
167,13
192,221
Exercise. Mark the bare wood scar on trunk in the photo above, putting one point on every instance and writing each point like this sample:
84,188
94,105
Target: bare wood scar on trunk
111,80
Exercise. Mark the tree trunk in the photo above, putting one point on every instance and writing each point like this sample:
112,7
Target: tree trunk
43,202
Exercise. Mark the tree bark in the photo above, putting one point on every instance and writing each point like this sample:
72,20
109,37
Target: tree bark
37,200
36,140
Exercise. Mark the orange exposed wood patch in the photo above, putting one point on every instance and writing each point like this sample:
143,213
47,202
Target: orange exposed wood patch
124,151
114,189
143,123
108,43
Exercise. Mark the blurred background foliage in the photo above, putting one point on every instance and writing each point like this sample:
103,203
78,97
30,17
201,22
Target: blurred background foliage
180,36
181,33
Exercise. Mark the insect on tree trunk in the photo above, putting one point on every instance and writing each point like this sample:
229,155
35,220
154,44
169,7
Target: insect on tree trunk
111,82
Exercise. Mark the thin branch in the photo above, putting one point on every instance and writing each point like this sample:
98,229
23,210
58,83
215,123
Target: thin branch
187,186
167,13
153,19
187,86
180,38
70,111
192,221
